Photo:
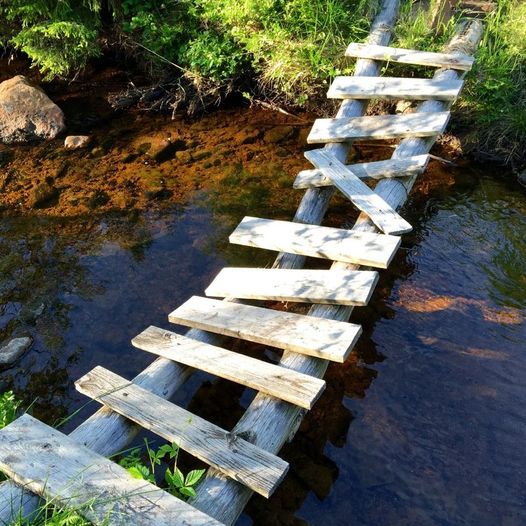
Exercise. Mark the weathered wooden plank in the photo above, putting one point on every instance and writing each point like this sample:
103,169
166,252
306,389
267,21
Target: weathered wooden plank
230,454
409,56
374,250
369,202
373,170
65,472
309,286
297,388
393,88
378,127
327,339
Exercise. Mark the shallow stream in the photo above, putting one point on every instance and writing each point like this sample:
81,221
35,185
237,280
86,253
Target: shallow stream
426,422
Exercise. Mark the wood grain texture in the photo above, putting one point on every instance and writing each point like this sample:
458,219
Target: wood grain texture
373,170
459,61
309,286
229,453
379,211
378,127
296,388
327,339
338,244
393,88
65,472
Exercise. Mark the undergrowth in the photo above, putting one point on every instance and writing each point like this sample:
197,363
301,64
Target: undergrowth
158,466
494,101
277,48
492,107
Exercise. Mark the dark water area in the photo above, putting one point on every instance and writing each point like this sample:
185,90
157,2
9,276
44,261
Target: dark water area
425,424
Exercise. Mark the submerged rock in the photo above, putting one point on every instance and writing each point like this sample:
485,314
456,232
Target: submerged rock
27,113
13,350
73,142
248,135
279,134
42,195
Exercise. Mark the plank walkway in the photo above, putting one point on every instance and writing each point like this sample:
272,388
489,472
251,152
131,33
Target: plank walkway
459,61
379,211
378,127
285,384
63,469
344,287
232,455
337,244
377,170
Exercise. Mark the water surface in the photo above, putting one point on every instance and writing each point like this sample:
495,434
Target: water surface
425,423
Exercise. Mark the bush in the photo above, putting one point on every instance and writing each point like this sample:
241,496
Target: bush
57,35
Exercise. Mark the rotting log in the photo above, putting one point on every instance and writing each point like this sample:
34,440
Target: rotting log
271,422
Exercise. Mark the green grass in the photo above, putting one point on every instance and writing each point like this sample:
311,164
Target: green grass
491,113
143,463
494,99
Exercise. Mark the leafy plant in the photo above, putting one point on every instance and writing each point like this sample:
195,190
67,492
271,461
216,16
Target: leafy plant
8,408
176,482
57,35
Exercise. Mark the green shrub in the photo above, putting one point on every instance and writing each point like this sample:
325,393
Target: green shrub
295,46
57,35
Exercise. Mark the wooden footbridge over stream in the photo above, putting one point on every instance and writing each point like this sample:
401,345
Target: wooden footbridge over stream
73,470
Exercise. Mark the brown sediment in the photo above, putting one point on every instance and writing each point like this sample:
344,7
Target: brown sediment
425,301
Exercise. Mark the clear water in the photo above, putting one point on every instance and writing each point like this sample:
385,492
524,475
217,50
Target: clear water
426,422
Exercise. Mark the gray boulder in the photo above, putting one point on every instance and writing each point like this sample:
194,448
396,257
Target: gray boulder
27,113
13,350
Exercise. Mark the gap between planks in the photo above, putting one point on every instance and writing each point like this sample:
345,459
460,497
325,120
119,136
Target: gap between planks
232,455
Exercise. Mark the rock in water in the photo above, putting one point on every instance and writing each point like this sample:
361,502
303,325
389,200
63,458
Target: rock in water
27,113
73,142
14,349
41,195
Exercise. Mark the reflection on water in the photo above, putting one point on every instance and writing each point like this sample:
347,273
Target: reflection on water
423,425
434,399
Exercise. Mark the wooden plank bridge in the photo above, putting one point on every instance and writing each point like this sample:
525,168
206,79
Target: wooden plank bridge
73,471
